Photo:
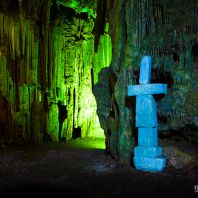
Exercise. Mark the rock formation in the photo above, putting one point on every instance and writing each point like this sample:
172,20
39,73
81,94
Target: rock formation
166,30
48,67
65,66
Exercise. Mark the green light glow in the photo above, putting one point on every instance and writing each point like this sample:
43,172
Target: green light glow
87,117
53,123
73,4
80,6
58,68
75,91
87,143
103,56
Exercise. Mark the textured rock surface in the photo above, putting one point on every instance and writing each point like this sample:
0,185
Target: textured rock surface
166,30
59,50
48,68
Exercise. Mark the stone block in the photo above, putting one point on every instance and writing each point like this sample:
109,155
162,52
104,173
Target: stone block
147,137
145,70
146,114
151,152
148,89
150,164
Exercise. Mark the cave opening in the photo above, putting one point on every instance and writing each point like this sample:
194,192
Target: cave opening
61,118
195,55
175,57
76,133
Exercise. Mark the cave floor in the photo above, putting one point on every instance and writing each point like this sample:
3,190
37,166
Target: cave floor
56,169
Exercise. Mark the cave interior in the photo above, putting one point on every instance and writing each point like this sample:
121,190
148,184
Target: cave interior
67,123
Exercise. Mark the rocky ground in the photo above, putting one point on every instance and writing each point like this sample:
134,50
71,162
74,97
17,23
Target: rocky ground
59,169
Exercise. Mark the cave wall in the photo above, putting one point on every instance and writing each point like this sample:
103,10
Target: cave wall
48,68
54,54
166,30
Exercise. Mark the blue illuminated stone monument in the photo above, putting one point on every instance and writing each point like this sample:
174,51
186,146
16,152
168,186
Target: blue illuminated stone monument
147,155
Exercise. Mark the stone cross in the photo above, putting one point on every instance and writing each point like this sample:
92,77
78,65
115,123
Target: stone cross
147,155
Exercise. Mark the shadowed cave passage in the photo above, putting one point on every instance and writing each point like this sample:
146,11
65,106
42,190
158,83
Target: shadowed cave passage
76,133
176,57
61,117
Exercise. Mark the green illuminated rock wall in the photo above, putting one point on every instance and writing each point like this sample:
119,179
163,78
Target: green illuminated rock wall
48,68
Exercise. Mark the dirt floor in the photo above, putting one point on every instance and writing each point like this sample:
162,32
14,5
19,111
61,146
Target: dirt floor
59,169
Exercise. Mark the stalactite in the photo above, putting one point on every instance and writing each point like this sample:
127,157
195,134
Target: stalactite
39,67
